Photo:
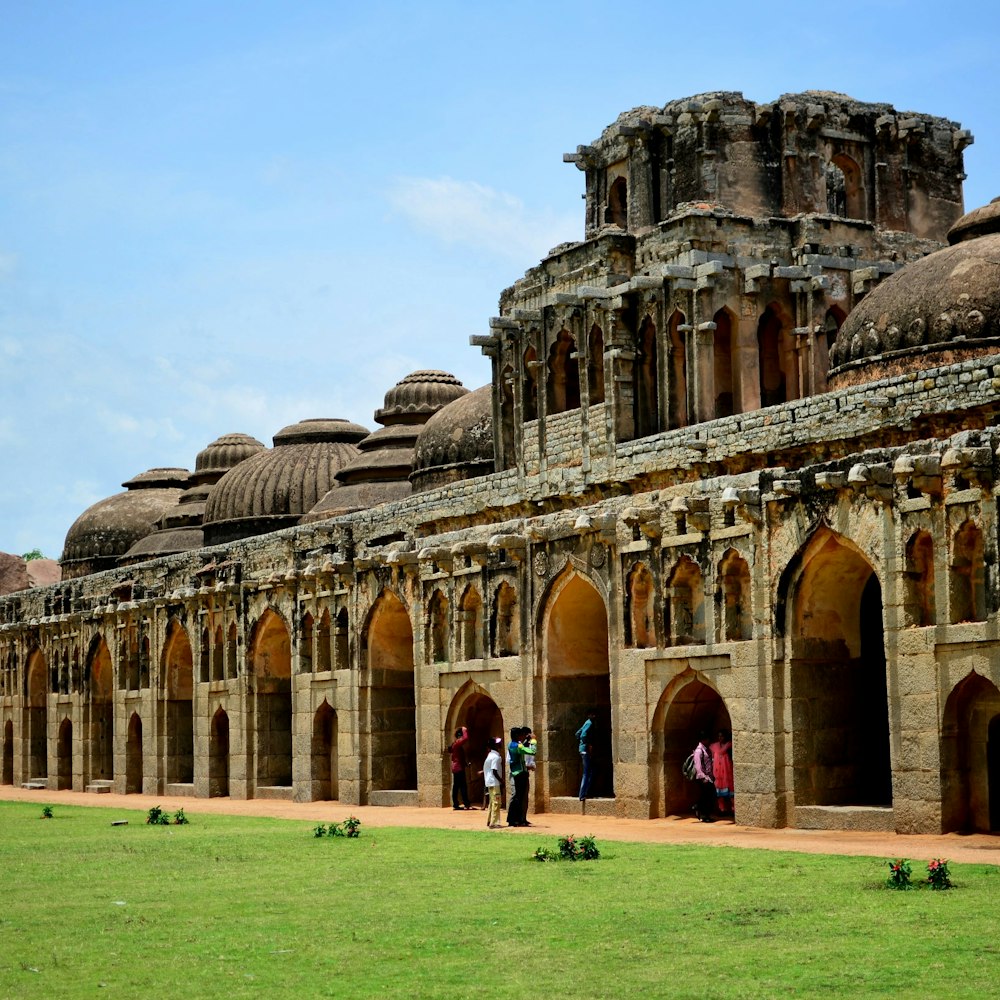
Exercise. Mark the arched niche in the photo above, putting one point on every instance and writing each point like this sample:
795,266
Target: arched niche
133,755
99,685
218,755
177,670
36,717
324,760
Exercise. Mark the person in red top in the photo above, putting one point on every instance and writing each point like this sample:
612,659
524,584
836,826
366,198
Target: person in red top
459,786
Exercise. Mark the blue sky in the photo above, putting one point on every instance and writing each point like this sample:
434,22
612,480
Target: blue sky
226,216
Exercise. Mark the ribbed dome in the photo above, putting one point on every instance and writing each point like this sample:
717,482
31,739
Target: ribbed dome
225,452
382,471
107,530
414,398
456,443
943,308
273,489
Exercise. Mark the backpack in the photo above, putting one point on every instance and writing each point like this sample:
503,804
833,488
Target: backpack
688,769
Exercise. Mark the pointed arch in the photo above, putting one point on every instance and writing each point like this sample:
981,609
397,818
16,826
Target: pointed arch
231,645
616,213
218,755
177,669
734,618
438,628
218,654
389,643
64,755
474,708
647,388
323,647
306,644
640,598
36,716
505,624
472,624
595,365
918,580
564,374
776,358
725,355
690,705
529,395
99,683
970,757
685,605
7,770
968,575
342,652
324,758
271,665
133,756
677,329
837,675
573,623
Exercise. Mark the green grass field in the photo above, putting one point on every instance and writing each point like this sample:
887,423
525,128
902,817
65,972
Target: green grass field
245,907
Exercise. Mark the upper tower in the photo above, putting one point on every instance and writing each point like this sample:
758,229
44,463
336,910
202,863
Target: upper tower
811,153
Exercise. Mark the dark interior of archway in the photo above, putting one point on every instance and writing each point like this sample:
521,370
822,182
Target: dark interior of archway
569,700
64,756
133,757
874,780
324,754
993,771
218,756
483,720
696,709
8,754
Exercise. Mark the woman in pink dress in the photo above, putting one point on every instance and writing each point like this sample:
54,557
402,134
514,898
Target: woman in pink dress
722,769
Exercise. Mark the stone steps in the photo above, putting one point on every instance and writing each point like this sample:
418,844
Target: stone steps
100,787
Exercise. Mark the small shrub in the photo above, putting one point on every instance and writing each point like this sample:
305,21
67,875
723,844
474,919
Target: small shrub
567,848
572,849
899,875
180,819
336,830
938,875
157,817
349,828
541,854
46,812
319,830
352,827
588,849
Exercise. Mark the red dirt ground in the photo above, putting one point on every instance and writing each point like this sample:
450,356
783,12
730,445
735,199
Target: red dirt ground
975,848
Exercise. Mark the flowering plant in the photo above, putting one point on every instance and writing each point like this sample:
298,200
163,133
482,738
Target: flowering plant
938,876
899,875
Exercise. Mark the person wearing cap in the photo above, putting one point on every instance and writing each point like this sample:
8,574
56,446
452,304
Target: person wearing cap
492,768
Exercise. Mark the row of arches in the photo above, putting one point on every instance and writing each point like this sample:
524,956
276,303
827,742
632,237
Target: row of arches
752,366
459,635
967,577
683,607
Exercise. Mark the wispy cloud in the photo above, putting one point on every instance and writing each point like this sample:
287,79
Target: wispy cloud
472,214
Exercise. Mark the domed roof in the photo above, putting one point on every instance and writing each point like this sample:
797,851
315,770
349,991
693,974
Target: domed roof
941,308
274,488
456,443
414,398
106,530
382,471
225,452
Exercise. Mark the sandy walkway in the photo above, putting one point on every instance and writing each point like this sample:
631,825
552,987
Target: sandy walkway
977,848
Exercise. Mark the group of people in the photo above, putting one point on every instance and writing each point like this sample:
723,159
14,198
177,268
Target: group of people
521,752
713,773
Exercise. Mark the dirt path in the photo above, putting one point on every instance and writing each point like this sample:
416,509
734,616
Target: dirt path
977,848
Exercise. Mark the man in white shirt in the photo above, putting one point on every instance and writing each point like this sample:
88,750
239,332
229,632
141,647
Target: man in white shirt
492,773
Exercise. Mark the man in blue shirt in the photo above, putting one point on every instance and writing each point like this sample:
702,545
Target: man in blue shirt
586,754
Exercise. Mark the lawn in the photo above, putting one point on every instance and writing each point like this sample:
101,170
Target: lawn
245,907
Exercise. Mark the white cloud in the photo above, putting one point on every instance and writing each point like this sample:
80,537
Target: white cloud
465,212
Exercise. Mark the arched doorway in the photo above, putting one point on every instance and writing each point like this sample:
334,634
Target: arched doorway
99,680
325,764
393,711
688,707
272,671
575,665
473,708
839,700
218,756
8,753
36,720
178,674
64,756
133,756
970,757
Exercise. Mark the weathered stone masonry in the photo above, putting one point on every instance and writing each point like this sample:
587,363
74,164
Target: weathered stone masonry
724,496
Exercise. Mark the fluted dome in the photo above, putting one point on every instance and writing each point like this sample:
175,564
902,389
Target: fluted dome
456,443
274,488
938,310
109,528
225,452
178,530
418,396
381,472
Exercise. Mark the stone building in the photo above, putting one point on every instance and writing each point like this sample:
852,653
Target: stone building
732,470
